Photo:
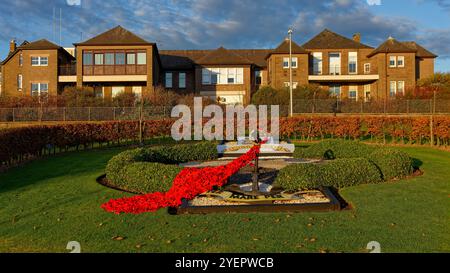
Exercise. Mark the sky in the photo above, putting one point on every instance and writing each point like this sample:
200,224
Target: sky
209,24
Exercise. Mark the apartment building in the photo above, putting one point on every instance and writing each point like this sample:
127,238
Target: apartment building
119,61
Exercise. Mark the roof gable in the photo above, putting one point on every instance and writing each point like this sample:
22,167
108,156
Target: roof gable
222,56
330,40
283,48
115,36
42,44
391,45
421,51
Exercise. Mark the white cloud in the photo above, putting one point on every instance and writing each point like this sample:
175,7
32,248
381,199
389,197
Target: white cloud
374,2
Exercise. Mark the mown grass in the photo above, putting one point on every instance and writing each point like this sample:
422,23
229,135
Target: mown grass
52,201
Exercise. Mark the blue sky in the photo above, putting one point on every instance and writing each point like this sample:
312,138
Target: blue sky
206,24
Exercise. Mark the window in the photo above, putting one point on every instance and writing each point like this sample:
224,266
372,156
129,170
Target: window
169,80
353,62
131,58
99,91
20,82
335,91
206,76
401,88
120,58
99,59
366,68
393,88
182,80
317,63
39,61
393,61
215,75
335,63
87,58
141,58
367,89
21,59
258,77
286,62
117,90
294,62
137,92
39,89
239,75
231,75
109,58
401,61
353,92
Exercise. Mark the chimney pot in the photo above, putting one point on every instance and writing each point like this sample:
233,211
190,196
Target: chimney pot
357,37
12,46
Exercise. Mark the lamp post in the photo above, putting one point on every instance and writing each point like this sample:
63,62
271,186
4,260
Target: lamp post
290,31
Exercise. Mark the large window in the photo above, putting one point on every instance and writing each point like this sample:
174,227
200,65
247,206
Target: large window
39,61
317,63
39,89
401,88
393,88
87,58
353,62
131,58
286,62
335,63
141,58
182,80
222,76
169,77
99,59
335,91
120,58
109,58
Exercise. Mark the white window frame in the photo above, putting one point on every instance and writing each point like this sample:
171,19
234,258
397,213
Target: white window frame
40,88
353,88
206,76
352,55
402,60
101,61
394,60
367,68
168,82
317,63
285,61
392,88
21,59
336,71
335,87
294,62
141,58
223,76
182,80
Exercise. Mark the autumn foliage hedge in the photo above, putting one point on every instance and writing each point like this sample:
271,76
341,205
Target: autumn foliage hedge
19,143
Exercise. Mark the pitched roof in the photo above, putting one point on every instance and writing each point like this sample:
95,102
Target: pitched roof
391,45
222,56
115,36
42,44
421,51
330,40
283,48
187,59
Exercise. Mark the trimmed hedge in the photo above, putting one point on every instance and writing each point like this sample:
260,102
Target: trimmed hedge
335,148
351,163
392,163
339,173
153,169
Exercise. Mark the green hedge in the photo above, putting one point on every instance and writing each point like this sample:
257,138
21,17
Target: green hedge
335,148
392,163
153,169
338,173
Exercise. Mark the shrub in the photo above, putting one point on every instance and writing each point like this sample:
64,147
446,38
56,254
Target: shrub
339,173
146,170
392,163
333,149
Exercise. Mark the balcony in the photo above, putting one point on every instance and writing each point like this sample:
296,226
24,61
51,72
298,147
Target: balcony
334,74
67,70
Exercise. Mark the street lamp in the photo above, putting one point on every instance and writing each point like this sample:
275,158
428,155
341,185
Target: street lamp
290,31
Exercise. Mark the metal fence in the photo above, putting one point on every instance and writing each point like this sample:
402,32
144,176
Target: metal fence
327,106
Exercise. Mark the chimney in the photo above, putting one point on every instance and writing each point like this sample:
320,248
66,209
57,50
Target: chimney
12,46
357,37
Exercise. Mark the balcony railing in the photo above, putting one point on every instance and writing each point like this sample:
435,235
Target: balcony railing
67,70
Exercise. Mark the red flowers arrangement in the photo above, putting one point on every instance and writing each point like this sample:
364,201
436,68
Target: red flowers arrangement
189,183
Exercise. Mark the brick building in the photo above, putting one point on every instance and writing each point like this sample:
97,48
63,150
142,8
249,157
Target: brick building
119,61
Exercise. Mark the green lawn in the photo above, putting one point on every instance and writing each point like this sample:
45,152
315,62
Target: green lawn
52,201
